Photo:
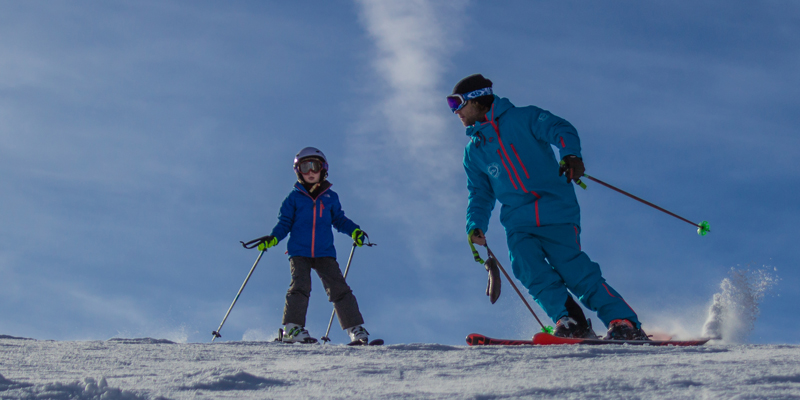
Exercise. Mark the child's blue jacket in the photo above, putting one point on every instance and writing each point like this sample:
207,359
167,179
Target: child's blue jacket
309,221
509,158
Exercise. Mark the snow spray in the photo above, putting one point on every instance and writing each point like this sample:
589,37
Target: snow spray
734,310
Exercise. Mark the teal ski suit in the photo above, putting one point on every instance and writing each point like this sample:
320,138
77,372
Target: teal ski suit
510,159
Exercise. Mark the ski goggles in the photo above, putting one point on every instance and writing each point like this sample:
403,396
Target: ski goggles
309,166
458,101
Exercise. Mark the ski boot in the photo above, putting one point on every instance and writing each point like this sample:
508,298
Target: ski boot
358,335
569,328
622,329
293,333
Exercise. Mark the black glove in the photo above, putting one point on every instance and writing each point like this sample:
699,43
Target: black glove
493,286
573,167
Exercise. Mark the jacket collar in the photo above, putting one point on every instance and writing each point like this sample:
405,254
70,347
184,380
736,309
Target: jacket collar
499,107
325,185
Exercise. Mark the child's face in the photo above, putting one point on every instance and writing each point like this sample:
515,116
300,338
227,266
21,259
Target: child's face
312,177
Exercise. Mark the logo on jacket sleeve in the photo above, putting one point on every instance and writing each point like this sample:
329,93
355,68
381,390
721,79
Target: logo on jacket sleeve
493,169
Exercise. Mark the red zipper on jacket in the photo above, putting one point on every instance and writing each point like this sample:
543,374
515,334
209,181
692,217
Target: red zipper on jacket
514,149
505,153
516,174
507,170
314,213
503,147
314,230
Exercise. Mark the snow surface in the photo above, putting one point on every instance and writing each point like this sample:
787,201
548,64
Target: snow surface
159,369
251,369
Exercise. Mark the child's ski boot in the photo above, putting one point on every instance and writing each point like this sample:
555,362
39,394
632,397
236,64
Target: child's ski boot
293,333
358,335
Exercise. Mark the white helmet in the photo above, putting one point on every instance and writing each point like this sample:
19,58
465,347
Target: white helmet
310,152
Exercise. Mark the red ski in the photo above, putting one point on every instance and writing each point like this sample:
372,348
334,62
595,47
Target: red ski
540,339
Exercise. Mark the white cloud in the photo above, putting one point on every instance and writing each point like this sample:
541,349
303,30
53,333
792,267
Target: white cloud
411,132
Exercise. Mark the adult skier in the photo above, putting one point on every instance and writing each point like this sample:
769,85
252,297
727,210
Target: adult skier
509,159
306,215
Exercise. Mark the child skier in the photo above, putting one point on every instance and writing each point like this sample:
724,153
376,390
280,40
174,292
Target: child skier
306,215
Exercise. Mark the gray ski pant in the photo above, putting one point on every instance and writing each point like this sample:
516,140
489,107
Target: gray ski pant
339,293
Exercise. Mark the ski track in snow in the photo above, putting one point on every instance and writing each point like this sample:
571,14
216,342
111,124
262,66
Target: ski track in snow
159,369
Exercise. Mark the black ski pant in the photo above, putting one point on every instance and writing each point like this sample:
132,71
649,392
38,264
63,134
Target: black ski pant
339,293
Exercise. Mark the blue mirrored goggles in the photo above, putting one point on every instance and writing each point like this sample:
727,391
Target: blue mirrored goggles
458,101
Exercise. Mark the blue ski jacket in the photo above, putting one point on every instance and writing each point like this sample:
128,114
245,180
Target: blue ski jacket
309,221
509,158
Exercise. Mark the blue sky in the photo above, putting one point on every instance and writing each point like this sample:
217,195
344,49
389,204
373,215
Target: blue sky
139,142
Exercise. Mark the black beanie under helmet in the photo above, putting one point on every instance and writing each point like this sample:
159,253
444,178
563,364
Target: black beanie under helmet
471,83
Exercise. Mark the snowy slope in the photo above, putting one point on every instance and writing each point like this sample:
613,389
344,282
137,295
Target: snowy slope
152,369
248,369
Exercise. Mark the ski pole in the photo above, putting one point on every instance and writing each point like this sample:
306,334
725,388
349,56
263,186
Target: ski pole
702,228
326,339
503,270
215,334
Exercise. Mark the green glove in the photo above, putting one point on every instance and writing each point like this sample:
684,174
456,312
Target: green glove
359,236
270,241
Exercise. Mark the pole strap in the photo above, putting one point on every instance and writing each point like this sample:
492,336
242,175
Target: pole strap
255,242
475,253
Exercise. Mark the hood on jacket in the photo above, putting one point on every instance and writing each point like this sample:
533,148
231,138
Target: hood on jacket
499,107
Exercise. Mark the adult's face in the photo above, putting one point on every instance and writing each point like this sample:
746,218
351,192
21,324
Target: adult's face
471,113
